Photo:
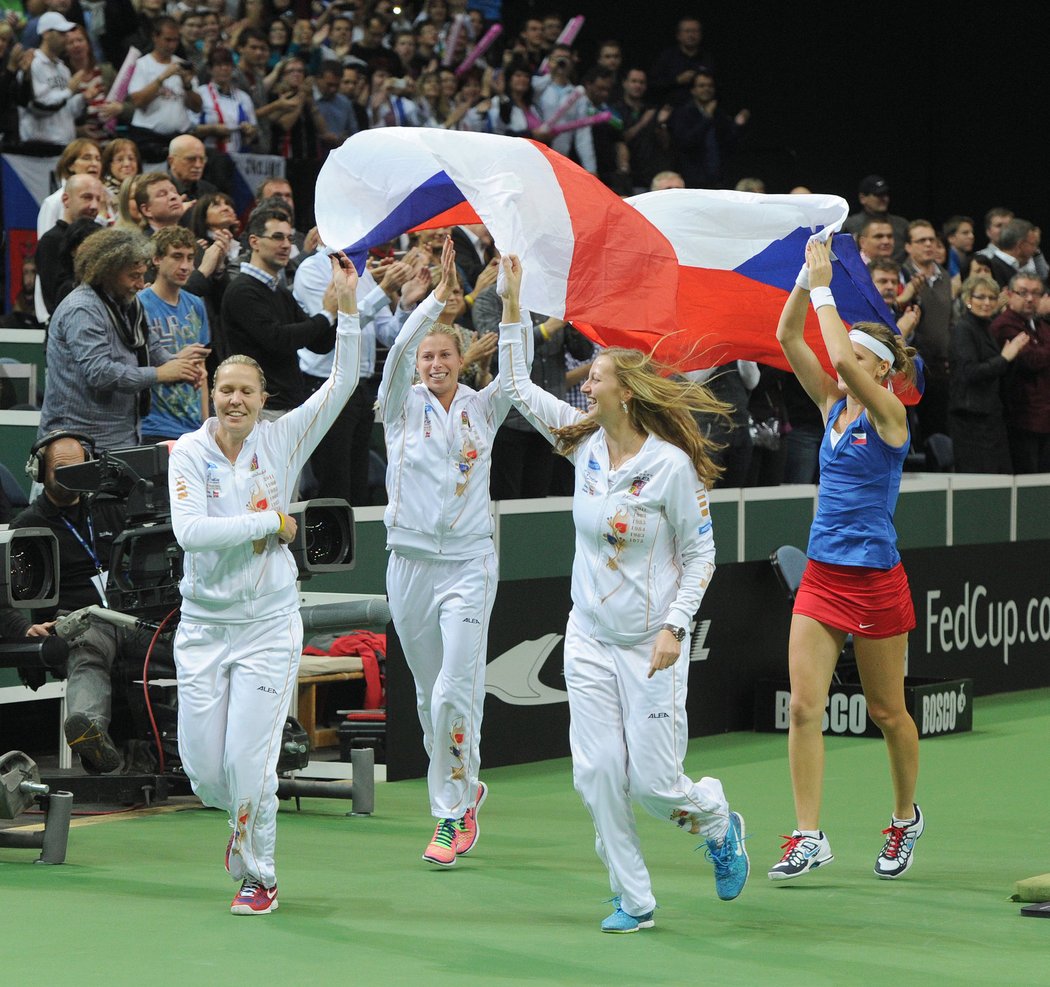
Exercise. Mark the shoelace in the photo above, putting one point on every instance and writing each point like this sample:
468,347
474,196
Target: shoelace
790,848
894,841
722,856
445,833
616,902
248,889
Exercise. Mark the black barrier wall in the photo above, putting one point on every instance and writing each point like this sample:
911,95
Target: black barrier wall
983,613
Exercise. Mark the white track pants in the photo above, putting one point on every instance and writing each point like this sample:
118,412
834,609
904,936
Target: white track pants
628,736
235,686
441,611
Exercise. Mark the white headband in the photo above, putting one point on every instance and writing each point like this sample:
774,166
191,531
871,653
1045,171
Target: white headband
881,350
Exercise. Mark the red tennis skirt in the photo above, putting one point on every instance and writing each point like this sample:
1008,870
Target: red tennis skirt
863,602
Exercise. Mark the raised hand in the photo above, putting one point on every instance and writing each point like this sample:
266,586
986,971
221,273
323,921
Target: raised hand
818,260
448,271
481,349
511,278
486,277
344,280
416,289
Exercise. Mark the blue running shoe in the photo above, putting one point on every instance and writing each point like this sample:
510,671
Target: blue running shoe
730,860
621,922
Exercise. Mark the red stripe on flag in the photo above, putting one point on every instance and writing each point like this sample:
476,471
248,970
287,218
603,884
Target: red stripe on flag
723,316
624,269
459,215
732,317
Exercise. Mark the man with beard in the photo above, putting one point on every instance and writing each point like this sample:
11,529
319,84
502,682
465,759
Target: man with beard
102,359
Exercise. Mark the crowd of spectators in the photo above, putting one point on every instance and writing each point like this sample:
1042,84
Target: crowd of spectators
294,79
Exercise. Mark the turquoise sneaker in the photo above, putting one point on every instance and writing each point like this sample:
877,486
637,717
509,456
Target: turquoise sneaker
621,922
730,860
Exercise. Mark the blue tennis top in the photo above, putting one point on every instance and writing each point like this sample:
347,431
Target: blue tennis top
860,479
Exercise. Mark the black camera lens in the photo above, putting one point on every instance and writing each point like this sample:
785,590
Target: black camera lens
32,577
327,536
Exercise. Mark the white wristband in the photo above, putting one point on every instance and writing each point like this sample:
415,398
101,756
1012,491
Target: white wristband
821,296
802,281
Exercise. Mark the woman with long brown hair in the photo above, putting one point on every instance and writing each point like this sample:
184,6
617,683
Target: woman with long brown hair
644,556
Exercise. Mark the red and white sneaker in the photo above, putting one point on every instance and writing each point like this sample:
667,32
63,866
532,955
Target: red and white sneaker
467,836
254,899
898,852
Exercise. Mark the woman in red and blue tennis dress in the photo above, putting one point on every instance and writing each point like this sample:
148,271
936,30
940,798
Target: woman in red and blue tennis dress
854,582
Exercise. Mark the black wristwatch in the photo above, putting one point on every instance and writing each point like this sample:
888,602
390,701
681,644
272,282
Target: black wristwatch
678,632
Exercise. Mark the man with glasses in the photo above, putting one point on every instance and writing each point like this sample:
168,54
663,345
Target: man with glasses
262,320
933,295
1027,391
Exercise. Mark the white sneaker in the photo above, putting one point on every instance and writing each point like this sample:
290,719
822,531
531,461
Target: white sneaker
801,854
898,851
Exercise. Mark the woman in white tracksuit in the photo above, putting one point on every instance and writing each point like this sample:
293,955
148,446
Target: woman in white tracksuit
240,638
644,556
442,574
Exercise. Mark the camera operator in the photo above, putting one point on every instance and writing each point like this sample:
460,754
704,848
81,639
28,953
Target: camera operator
85,532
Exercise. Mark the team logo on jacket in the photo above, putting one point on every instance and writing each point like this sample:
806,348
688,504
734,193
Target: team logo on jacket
468,455
859,439
427,409
259,501
593,464
254,464
616,537
638,483
182,490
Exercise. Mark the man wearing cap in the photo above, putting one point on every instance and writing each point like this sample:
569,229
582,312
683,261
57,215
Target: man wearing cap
57,97
874,196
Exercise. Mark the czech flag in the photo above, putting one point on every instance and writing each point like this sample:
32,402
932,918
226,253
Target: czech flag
698,277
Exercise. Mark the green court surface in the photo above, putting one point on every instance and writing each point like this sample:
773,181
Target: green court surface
145,899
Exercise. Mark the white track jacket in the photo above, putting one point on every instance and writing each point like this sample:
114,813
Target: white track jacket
644,546
219,508
437,474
